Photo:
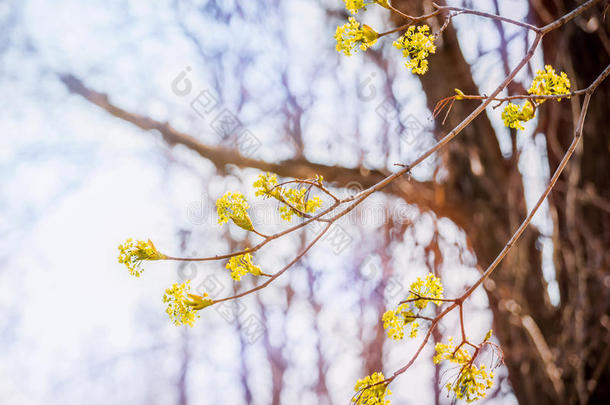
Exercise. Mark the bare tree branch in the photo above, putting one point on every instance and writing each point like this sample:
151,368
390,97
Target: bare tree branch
420,193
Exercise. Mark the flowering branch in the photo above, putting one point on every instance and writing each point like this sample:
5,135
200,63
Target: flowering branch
478,389
461,10
417,44
458,302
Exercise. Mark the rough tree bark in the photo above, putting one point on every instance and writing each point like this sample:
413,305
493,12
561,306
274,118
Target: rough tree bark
553,354
579,328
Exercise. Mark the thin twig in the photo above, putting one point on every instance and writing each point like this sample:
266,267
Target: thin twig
261,244
280,272
488,15
357,199
577,135
564,161
413,19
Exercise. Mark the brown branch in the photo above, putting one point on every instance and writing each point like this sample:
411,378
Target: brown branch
420,193
280,272
171,136
545,354
261,244
462,10
408,17
553,180
568,17
577,135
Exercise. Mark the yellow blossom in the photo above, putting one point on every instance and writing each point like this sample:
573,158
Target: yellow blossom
545,83
472,381
423,292
351,34
446,351
234,206
429,287
416,46
133,253
241,265
371,391
353,6
548,83
266,185
182,305
295,200
395,321
513,116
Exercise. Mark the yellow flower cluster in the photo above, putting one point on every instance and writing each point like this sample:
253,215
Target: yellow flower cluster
132,253
241,265
423,292
234,206
473,381
294,199
266,185
429,287
416,46
446,351
370,394
513,115
545,83
396,320
182,306
351,34
548,83
353,6
297,199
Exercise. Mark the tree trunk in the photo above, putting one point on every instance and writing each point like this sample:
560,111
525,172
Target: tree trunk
553,354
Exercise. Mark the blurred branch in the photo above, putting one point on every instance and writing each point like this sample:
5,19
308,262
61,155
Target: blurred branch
552,372
420,193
